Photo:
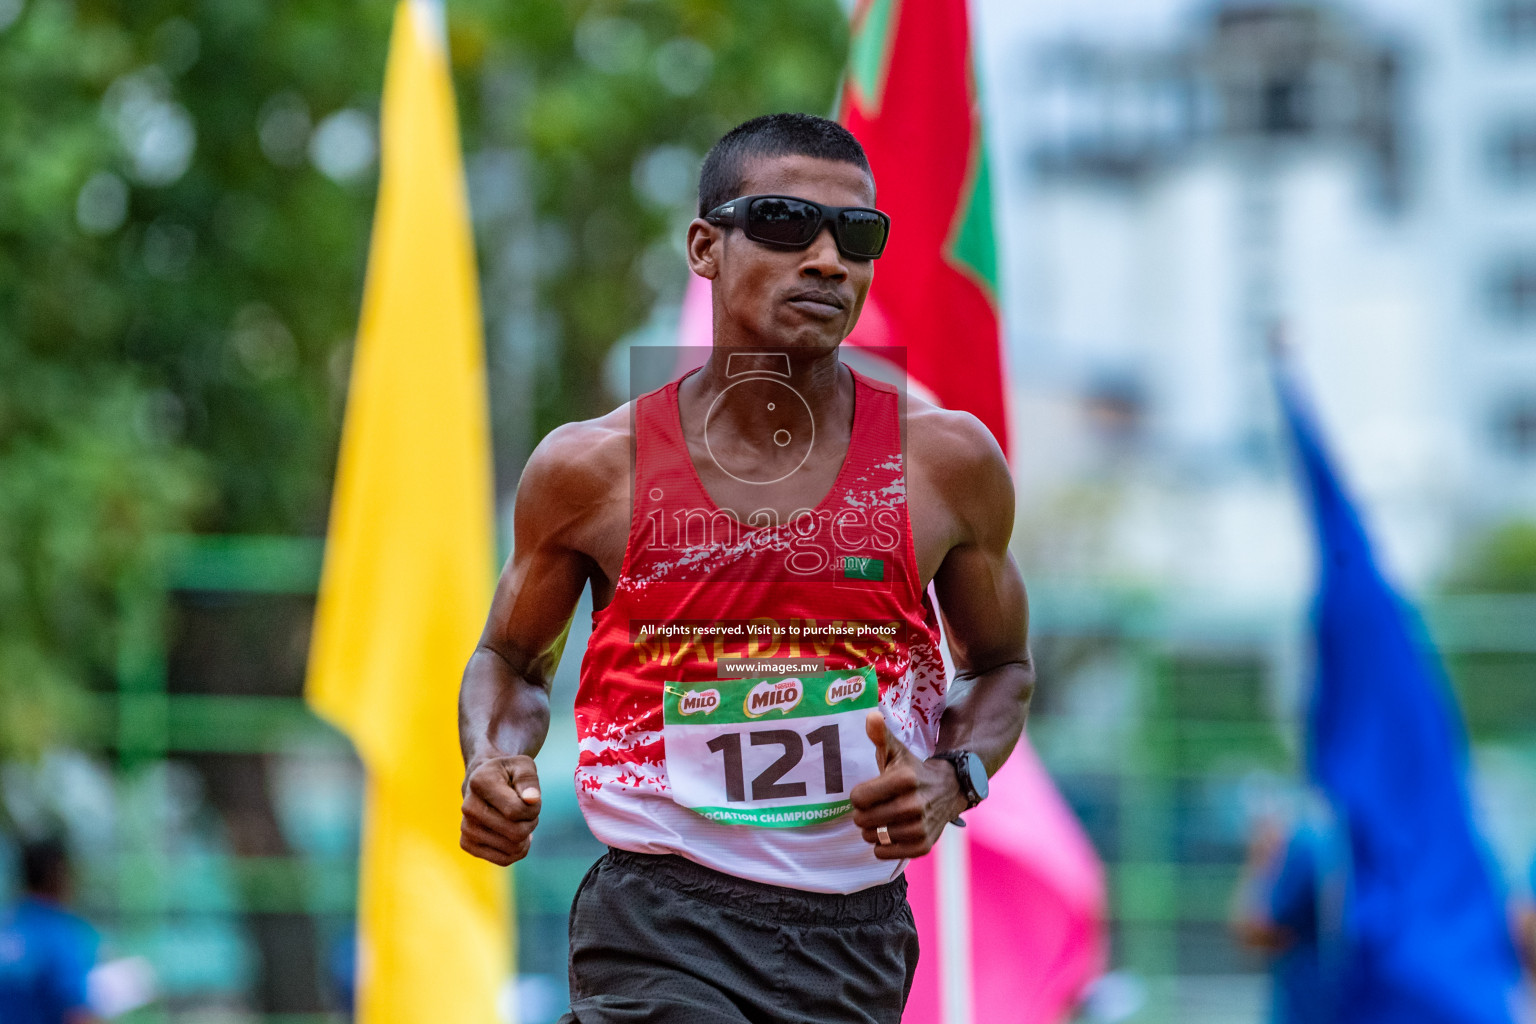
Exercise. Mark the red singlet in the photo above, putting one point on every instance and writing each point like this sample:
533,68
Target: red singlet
839,583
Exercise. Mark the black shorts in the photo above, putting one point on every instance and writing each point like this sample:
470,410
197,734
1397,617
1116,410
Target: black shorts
662,940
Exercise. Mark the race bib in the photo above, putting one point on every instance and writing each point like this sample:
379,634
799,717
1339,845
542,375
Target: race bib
773,752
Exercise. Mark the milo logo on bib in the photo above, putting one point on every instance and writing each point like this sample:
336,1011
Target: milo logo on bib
778,752
696,702
769,695
845,689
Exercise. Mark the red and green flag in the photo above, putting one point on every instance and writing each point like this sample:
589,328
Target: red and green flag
1010,911
911,98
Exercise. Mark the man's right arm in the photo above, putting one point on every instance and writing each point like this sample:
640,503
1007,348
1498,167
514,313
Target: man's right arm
504,697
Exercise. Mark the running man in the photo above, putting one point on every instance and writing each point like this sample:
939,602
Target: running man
773,511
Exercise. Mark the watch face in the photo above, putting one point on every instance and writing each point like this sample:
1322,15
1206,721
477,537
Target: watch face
978,774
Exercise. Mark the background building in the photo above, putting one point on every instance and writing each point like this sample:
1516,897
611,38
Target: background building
1363,175
1180,180
1183,203
1480,200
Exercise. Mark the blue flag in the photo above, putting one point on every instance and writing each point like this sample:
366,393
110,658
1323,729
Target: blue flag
1427,939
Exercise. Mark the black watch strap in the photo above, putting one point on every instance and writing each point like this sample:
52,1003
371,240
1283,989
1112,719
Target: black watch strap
967,764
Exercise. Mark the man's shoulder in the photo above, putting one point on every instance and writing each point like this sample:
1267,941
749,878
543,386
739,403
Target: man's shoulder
951,443
957,463
582,453
610,430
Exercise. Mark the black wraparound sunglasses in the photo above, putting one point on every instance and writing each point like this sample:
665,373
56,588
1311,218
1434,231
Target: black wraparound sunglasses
788,222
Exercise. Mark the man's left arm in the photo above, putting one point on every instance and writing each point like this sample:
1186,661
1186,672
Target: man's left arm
986,619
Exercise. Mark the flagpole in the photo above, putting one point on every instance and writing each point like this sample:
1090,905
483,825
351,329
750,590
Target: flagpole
433,15
954,871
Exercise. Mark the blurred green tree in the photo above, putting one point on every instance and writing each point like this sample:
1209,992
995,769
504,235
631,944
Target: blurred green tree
1499,561
185,195
1496,572
176,279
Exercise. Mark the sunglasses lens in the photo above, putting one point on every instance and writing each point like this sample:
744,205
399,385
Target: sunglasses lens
782,221
862,232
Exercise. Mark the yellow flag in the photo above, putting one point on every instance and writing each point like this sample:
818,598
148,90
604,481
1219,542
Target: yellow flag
409,562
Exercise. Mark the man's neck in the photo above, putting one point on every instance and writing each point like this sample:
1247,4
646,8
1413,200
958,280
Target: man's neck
817,378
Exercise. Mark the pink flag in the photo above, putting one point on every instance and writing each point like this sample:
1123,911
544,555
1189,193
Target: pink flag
1031,933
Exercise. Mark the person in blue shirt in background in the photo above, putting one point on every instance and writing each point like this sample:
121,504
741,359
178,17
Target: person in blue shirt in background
46,952
1525,927
1287,907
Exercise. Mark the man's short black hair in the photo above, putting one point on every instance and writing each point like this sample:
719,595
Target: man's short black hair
44,865
725,166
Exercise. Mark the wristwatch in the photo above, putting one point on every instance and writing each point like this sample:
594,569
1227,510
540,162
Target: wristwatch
970,773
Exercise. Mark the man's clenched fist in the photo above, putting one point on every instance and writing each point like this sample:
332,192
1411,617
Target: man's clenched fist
914,799
501,808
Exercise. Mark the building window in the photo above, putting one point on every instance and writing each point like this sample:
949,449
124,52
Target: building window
1512,23
1514,427
1512,291
1512,153
1285,106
